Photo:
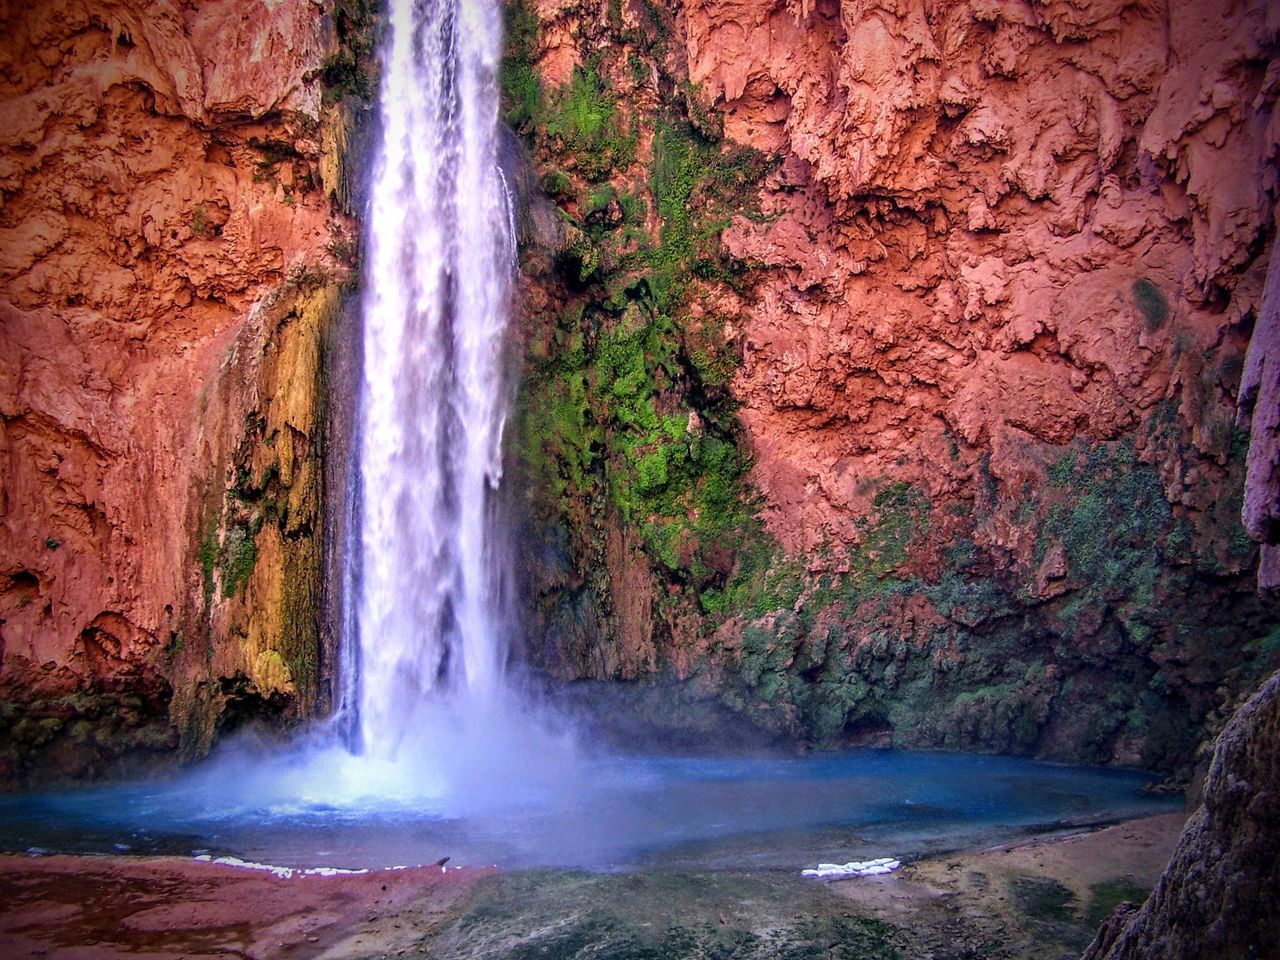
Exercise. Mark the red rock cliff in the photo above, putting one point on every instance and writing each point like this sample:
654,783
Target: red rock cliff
976,302
996,222
170,260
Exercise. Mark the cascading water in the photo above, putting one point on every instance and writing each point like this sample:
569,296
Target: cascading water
431,596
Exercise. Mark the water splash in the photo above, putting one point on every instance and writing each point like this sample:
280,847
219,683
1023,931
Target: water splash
432,610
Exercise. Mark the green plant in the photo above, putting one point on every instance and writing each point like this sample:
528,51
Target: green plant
346,72
239,554
1106,896
208,556
583,117
557,183
201,225
521,89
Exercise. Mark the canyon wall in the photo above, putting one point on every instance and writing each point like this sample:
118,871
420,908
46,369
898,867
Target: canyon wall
882,366
885,361
174,241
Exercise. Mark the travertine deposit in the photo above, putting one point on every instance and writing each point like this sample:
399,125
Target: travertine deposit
170,259
971,285
996,224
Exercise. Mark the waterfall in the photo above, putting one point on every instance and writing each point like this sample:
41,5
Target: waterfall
430,596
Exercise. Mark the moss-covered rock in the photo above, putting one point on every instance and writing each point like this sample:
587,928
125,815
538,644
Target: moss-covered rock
251,639
1075,613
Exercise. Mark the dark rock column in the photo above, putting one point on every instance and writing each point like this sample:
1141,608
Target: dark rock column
1260,411
1220,894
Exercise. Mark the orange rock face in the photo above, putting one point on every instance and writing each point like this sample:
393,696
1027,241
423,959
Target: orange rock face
994,221
159,164
985,318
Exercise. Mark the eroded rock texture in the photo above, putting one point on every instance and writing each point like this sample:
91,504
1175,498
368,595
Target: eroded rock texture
962,291
1260,413
1219,894
170,260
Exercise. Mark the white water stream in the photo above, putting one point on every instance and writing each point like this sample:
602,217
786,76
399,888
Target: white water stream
431,597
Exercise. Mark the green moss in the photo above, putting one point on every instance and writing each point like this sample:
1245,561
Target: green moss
521,89
1042,898
678,166
582,116
901,516
208,556
634,208
1111,521
614,415
557,183
1221,545
348,71
1106,896
239,554
598,202
1152,302
628,398
580,256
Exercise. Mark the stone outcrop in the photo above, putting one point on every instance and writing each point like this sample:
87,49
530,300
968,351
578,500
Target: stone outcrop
171,255
1218,896
962,295
1260,413
996,225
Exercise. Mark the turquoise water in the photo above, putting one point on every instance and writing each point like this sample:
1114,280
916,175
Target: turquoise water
606,814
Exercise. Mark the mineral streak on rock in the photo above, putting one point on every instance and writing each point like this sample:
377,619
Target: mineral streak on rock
170,263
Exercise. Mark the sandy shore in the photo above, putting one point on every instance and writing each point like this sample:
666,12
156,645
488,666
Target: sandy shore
1039,899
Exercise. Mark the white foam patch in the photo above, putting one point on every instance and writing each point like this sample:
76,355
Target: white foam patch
855,868
286,873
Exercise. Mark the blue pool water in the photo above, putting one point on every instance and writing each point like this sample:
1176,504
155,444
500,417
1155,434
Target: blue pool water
611,813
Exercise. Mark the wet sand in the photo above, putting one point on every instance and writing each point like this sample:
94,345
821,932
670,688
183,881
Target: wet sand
1040,898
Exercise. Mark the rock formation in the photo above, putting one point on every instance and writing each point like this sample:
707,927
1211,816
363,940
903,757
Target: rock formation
1260,413
885,362
1218,896
171,252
